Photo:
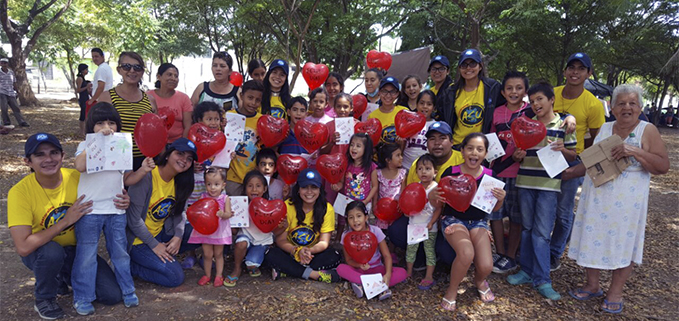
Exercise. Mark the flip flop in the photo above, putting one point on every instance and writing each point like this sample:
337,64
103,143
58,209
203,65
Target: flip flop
577,294
426,285
254,272
606,307
448,305
230,281
482,294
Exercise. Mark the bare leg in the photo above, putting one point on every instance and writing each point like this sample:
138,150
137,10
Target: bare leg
458,237
498,236
483,257
239,251
409,268
219,260
429,274
207,259
617,282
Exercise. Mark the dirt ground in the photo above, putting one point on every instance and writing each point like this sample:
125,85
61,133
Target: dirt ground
651,292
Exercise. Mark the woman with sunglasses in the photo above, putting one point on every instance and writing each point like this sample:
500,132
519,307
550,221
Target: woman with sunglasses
130,101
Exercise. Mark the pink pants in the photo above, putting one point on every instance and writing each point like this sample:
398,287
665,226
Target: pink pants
353,274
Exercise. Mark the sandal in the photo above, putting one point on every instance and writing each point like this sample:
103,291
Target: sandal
607,306
448,305
486,295
230,281
578,294
204,280
426,285
219,281
254,272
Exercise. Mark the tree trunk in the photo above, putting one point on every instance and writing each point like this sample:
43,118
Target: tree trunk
25,92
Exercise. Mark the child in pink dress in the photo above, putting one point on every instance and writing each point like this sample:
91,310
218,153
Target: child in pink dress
389,176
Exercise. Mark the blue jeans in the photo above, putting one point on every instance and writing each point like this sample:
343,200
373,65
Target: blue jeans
52,265
87,231
564,215
255,253
538,209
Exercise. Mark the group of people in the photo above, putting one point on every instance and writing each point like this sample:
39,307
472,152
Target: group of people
142,212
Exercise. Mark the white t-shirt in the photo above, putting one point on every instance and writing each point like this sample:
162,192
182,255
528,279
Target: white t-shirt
275,188
425,216
101,188
105,74
416,146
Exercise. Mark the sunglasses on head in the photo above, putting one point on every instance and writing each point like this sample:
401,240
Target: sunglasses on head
136,67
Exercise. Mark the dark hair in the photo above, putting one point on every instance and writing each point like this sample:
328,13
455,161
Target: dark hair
379,72
429,93
402,97
471,136
102,111
366,160
204,107
223,55
425,158
252,84
319,90
81,68
266,97
183,182
265,153
384,154
298,99
254,64
98,50
514,74
162,69
359,205
460,82
542,87
337,76
345,96
252,175
320,207
215,170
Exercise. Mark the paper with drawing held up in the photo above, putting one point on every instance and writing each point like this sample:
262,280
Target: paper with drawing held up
345,127
108,152
373,284
484,199
235,127
239,207
495,149
553,161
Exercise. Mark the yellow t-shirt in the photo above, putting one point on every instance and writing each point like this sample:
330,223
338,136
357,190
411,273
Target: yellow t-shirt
303,234
387,121
30,204
245,151
587,110
161,204
469,108
454,160
434,90
277,108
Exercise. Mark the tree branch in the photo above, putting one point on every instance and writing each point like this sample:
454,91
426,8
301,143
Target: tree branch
31,42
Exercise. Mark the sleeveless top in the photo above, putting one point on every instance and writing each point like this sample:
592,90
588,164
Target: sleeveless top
391,187
84,95
226,101
129,114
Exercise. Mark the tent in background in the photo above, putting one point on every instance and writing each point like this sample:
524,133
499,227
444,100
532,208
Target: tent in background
598,89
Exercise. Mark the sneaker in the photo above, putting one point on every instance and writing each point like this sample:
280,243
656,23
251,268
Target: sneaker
328,276
84,308
519,278
189,262
24,124
503,265
276,274
48,309
496,257
130,300
358,289
385,295
554,263
548,292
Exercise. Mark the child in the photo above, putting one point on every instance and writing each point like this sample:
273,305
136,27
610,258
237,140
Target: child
416,145
389,176
266,164
426,172
466,232
251,243
358,183
410,89
102,188
256,69
290,145
319,102
344,107
373,77
357,216
252,92
538,194
213,244
276,95
334,85
387,112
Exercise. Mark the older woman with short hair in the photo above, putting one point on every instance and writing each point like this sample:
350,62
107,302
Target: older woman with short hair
608,232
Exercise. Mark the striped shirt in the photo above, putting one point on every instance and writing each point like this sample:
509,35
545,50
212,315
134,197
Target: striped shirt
129,115
532,174
7,80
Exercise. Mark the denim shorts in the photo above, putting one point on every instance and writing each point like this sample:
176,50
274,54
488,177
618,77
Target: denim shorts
469,224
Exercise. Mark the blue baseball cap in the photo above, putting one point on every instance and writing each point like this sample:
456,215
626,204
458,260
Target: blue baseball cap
184,145
440,59
35,140
581,57
472,54
308,177
280,63
440,127
390,81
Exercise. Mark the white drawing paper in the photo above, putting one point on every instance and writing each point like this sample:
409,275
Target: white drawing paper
553,161
495,149
108,152
239,207
417,233
235,127
223,158
341,204
345,127
373,284
484,199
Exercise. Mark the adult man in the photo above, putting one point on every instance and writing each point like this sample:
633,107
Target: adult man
8,88
41,212
588,111
103,77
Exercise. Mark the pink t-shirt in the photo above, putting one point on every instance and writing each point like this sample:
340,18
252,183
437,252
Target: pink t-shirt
178,104
330,111
502,121
357,182
323,120
377,257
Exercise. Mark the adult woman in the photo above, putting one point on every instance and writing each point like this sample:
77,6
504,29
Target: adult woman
303,250
608,232
171,101
410,89
257,69
130,101
83,90
334,85
220,91
373,76
154,219
276,97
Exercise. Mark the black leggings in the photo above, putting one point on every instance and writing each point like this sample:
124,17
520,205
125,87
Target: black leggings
279,259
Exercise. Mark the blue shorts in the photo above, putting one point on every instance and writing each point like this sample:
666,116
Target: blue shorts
510,208
469,224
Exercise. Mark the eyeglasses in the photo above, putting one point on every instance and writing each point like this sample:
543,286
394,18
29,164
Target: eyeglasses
389,92
136,67
471,64
438,69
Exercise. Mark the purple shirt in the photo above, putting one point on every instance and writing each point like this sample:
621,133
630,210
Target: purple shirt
377,257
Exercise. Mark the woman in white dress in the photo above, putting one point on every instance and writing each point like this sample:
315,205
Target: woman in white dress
608,231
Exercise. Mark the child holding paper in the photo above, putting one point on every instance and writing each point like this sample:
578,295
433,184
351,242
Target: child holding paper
344,108
357,217
538,194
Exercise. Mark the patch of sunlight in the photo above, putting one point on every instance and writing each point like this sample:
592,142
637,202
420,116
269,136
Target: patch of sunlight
12,167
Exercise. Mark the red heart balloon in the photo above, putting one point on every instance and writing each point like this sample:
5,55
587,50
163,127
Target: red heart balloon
413,199
272,130
360,104
208,141
267,214
409,123
236,78
150,134
372,127
202,215
311,135
378,59
167,116
458,191
360,245
387,209
289,167
528,132
315,74
332,167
